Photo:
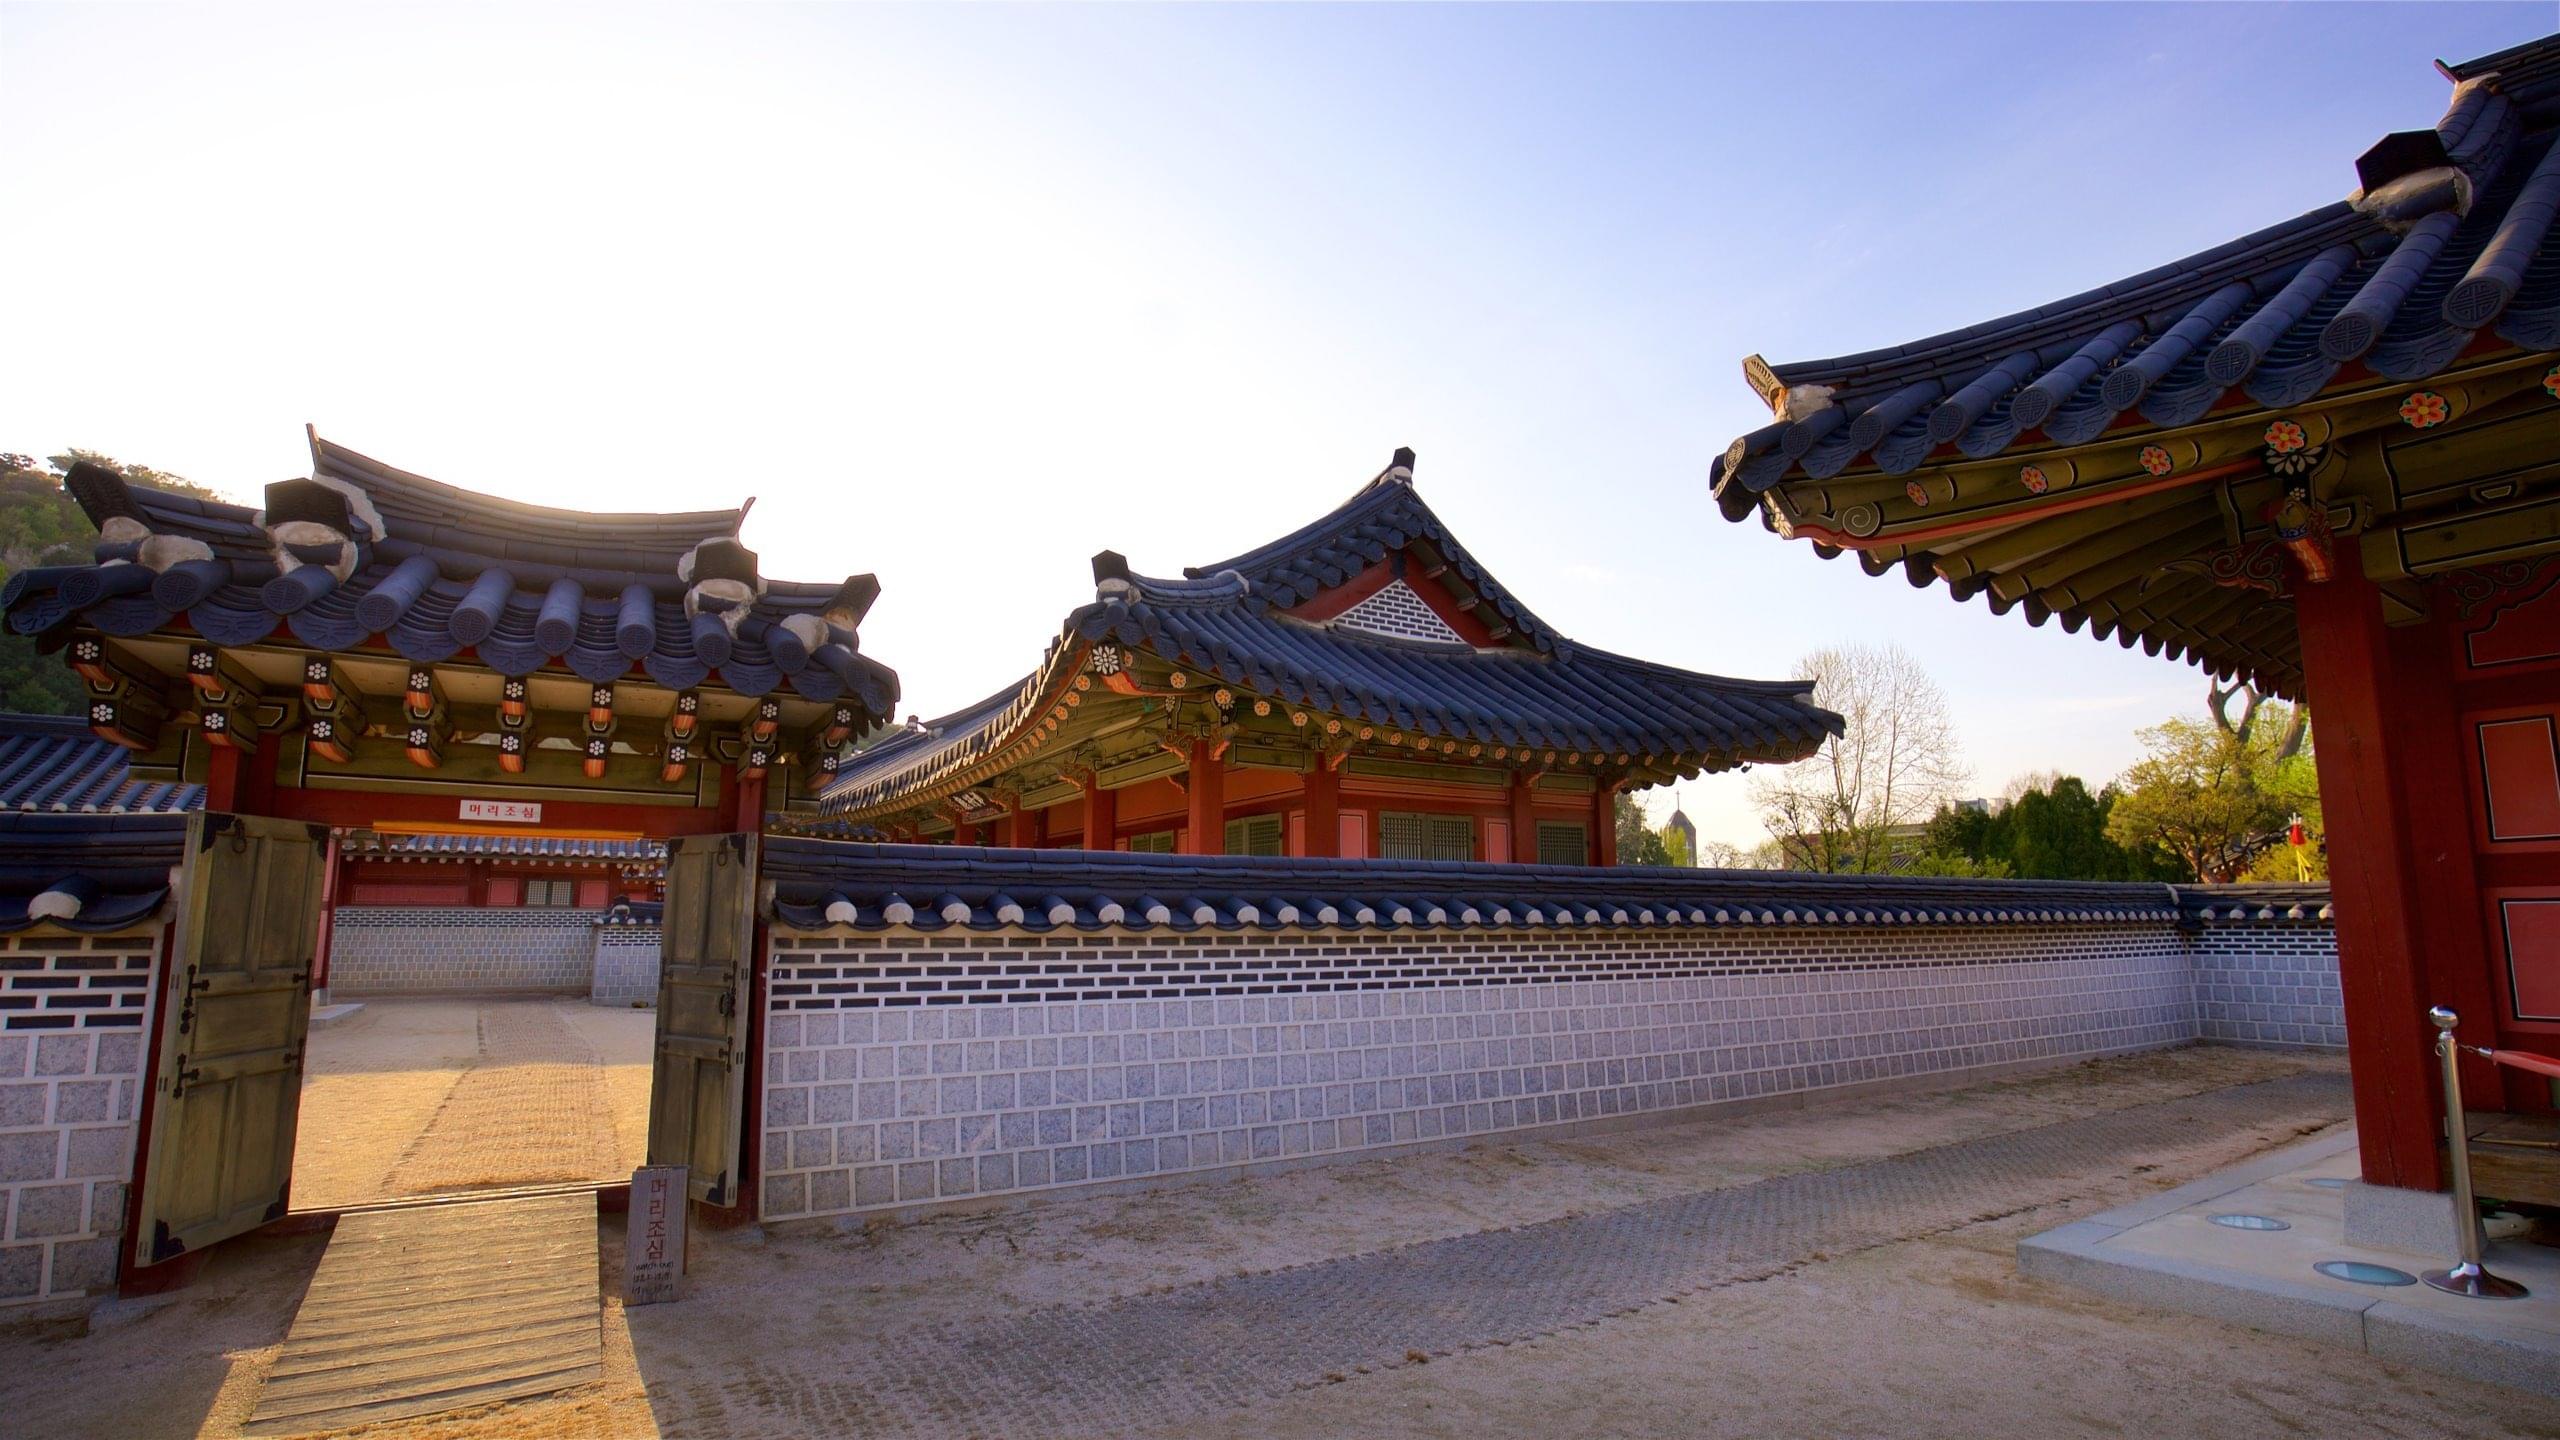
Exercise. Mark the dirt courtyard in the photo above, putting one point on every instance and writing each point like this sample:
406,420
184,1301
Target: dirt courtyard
1126,1314
429,1095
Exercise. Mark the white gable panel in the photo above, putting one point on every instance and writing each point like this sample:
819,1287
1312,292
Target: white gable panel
1399,614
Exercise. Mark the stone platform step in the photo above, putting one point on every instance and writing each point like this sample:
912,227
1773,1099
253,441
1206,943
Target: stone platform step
432,1308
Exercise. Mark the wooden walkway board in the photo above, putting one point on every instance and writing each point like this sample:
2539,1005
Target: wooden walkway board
439,1307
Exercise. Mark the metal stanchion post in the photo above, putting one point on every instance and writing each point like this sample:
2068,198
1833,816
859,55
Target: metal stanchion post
2471,1276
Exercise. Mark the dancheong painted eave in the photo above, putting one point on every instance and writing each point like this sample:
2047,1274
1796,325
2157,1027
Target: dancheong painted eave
1258,632
2430,295
820,884
361,552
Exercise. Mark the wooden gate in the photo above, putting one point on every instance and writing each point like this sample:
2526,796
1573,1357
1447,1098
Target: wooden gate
706,970
234,1009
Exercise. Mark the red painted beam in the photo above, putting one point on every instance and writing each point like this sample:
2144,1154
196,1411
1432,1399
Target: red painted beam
369,807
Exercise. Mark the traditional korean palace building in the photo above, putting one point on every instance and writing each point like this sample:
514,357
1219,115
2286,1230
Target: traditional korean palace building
464,680
1360,687
2323,459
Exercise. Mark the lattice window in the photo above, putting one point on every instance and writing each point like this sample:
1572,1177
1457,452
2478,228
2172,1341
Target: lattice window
1256,835
1562,843
1154,842
1399,614
1406,835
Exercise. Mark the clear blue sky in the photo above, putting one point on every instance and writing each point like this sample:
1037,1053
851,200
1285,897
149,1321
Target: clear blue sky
965,295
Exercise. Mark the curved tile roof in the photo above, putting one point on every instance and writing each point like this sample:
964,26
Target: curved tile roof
818,883
1533,690
2449,245
53,763
2255,902
1385,517
434,571
91,873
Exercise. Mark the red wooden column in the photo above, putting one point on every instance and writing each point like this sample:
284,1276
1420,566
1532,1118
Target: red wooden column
222,779
2352,683
1020,828
1208,791
1101,814
1324,811
331,881
741,800
1604,823
1524,818
240,782
964,832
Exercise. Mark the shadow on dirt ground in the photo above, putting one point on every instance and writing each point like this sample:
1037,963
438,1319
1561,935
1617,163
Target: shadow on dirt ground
1127,1313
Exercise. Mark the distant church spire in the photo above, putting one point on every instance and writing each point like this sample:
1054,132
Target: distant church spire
1680,824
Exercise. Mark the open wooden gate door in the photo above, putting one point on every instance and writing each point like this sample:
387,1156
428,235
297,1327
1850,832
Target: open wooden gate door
233,1013
706,969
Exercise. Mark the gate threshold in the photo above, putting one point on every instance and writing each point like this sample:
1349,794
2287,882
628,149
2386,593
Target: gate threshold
438,1308
611,1195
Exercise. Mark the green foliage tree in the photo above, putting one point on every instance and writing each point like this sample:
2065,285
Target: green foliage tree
2202,794
2054,830
40,525
1638,843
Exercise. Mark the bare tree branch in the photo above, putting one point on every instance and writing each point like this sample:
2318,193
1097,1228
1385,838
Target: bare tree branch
1895,762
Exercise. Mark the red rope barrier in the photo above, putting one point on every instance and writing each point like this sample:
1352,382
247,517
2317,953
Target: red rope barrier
2526,1060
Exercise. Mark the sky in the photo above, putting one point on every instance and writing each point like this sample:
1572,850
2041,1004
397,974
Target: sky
965,295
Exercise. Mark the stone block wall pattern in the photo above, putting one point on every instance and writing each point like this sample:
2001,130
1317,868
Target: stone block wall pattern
906,1069
2269,982
70,1094
425,949
625,966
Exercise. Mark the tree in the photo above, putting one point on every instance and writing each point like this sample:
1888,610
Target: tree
1638,843
2199,796
2292,722
1725,855
40,525
2281,751
2059,832
2051,828
1895,761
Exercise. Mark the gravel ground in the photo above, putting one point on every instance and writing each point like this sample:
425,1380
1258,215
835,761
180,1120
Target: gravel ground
417,1096
1905,1317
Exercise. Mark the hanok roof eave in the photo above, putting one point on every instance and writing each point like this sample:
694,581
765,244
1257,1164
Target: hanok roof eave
1920,452
52,764
1894,408
1221,622
450,557
431,506
113,870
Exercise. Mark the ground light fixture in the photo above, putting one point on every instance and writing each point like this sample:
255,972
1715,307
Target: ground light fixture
2364,1272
